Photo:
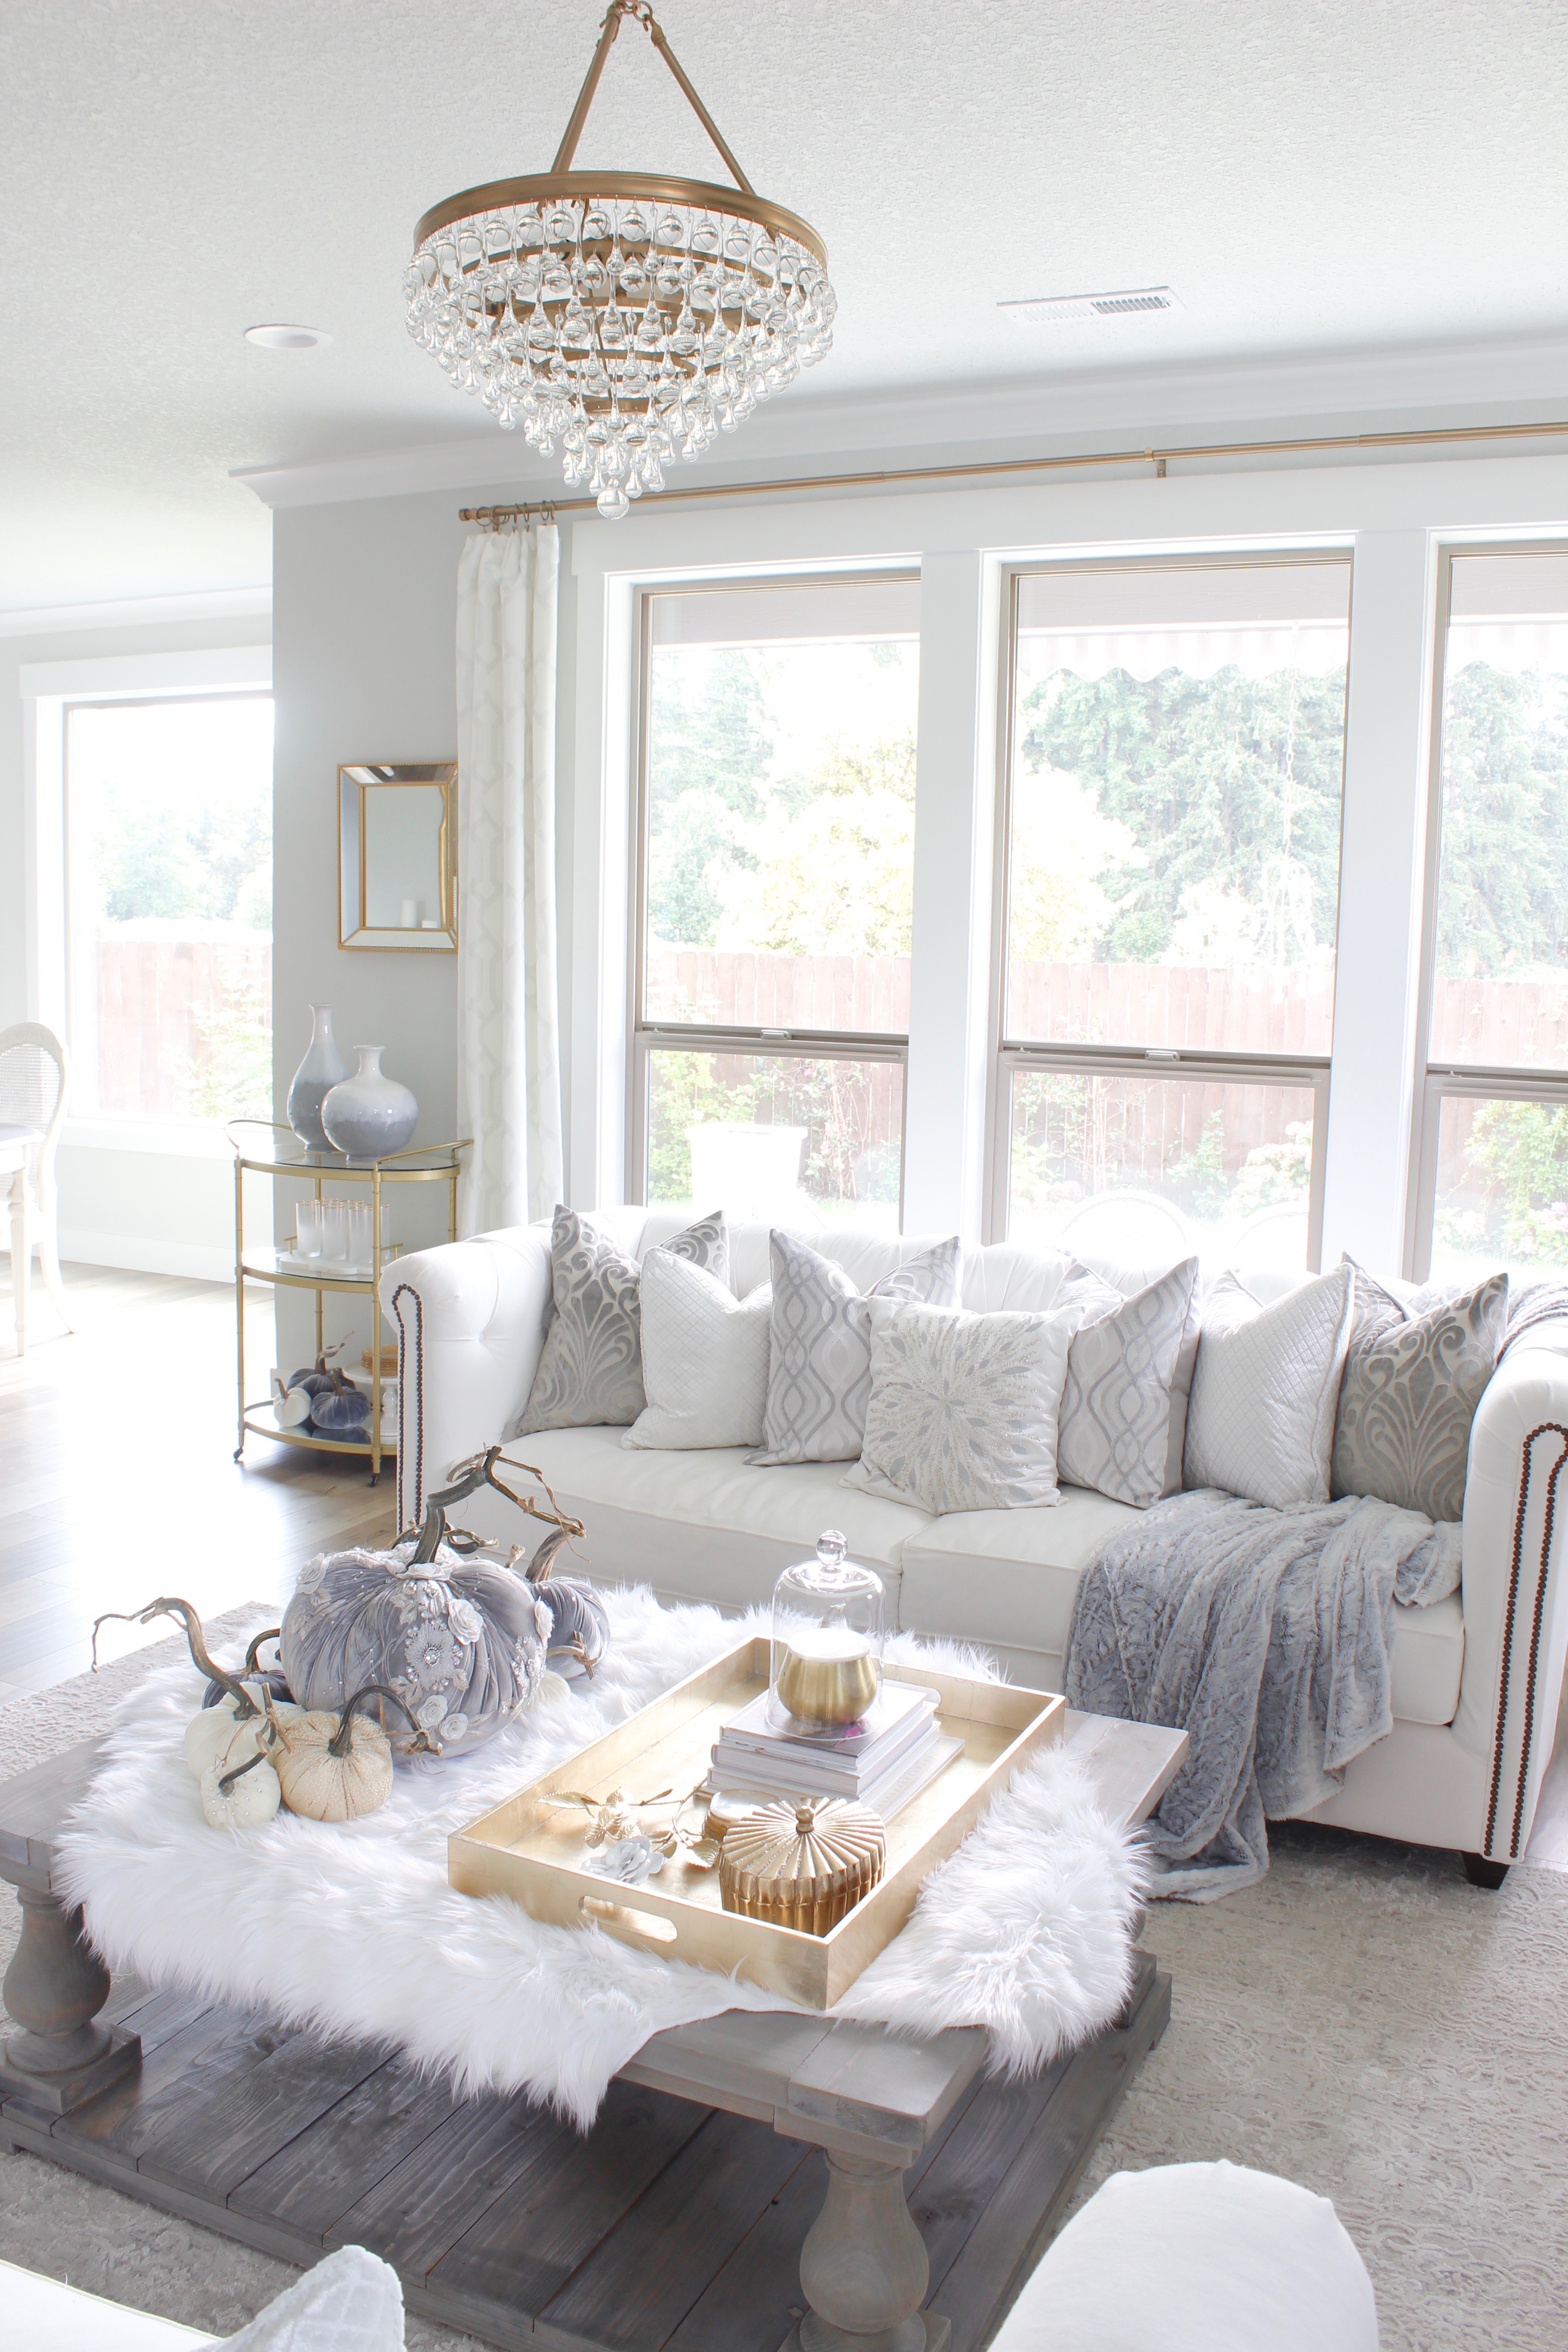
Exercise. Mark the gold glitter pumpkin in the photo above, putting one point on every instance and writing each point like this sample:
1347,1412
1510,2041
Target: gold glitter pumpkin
801,1865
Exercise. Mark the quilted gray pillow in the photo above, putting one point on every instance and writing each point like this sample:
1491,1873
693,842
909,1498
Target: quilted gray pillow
1411,1386
590,1372
819,1368
1125,1368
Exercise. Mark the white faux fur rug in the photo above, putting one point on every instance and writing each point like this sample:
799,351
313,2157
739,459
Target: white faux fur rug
354,1931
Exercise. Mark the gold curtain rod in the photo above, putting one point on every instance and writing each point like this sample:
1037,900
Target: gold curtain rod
1158,458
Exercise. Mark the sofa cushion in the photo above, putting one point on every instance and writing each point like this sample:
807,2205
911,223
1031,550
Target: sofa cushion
1009,1577
1005,1577
706,1525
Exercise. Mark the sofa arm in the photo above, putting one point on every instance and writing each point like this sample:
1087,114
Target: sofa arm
1515,1604
470,1319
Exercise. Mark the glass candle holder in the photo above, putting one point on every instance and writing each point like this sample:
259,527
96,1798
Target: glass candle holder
308,1229
826,1666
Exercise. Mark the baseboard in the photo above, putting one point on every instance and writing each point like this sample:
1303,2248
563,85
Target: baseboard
196,1261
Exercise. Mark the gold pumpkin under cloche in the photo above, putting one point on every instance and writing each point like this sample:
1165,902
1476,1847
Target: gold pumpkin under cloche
801,1865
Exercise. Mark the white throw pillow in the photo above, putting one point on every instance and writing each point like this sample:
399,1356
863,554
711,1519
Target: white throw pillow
1266,1388
704,1359
963,1408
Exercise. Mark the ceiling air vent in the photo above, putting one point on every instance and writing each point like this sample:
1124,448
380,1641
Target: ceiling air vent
1066,310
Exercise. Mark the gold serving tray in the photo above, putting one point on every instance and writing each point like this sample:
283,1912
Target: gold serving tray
533,1851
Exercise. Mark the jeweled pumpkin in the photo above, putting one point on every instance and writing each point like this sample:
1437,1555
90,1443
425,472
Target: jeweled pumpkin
461,1642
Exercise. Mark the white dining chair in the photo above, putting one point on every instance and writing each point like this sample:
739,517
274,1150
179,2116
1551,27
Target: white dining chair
35,1083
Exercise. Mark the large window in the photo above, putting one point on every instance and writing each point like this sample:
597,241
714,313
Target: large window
169,890
1493,1184
775,882
1173,817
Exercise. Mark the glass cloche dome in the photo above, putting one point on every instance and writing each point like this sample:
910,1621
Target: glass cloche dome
827,1639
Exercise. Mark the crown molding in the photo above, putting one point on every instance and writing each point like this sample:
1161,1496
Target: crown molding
140,611
1450,383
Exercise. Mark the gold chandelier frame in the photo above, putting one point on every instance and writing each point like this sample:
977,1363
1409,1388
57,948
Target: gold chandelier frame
561,185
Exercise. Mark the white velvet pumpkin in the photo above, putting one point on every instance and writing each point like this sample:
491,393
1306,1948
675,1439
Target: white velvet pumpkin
208,1734
254,1797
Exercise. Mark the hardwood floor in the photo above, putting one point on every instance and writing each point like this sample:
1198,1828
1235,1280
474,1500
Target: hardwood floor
117,1481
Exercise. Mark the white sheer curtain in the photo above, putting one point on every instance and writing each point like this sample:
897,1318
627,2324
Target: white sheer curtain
509,1051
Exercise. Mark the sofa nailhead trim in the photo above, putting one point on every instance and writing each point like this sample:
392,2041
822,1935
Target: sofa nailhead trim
1544,1429
405,1517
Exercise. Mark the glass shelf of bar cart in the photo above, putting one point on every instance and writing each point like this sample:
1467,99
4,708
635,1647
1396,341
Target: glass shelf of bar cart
338,1244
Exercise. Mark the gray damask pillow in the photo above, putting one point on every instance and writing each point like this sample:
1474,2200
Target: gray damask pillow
963,1411
1124,1369
1411,1386
590,1372
819,1370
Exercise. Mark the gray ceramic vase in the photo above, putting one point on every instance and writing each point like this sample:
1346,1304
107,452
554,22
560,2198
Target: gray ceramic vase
369,1114
320,1071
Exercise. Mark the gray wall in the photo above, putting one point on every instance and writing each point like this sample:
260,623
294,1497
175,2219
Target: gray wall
364,607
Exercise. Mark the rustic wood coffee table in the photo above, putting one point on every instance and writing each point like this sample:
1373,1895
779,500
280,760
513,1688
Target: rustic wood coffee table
756,2183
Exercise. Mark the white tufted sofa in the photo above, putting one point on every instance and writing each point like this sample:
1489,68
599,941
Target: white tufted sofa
1476,1677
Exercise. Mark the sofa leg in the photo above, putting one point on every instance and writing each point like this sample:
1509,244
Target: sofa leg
1482,1873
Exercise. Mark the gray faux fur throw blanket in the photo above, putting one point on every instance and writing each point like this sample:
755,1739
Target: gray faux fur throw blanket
1265,1634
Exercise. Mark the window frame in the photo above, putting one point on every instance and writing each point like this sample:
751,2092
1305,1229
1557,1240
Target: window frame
1307,1072
120,1130
1438,1082
644,1038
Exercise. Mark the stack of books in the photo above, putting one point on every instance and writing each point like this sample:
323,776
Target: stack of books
882,1761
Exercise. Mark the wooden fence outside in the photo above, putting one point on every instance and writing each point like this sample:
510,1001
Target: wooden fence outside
160,1006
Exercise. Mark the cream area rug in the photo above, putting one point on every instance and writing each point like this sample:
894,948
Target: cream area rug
1364,2022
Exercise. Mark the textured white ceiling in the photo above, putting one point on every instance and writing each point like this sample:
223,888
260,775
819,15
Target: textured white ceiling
1328,177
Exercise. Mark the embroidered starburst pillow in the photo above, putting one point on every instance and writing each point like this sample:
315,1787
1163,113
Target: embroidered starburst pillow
963,1408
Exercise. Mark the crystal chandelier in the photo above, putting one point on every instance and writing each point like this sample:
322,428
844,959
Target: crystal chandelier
630,314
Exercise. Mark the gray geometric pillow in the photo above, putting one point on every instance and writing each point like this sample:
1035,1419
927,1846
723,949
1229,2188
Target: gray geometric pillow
819,1370
1114,1433
590,1372
1411,1386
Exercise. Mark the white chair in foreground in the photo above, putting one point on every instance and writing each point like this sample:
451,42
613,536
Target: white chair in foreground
350,2302
33,1086
1197,2258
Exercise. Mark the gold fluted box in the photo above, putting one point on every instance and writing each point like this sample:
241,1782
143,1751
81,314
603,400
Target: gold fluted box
802,1866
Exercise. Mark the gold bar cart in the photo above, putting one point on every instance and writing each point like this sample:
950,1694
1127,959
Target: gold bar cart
436,1163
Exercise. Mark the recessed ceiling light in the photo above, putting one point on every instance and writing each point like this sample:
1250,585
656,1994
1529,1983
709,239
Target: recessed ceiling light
1066,310
287,338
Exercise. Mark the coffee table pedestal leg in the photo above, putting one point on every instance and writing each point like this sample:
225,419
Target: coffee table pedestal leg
54,1987
863,2267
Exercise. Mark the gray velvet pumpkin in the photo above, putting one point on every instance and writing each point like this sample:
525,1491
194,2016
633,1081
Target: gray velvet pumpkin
462,1643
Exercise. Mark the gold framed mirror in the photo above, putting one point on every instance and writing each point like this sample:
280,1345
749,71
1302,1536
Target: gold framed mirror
397,855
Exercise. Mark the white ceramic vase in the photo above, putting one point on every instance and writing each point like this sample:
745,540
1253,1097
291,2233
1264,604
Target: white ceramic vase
369,1114
320,1071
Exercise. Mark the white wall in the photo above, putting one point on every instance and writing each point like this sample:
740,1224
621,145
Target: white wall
154,1211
